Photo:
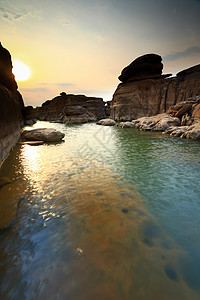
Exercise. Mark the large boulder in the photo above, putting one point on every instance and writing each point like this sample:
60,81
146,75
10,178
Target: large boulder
43,134
143,66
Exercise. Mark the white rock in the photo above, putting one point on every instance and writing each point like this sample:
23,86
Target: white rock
106,122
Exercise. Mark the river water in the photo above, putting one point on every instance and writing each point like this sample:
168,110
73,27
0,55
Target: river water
109,213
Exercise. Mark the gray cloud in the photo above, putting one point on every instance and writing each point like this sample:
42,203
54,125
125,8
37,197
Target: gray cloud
181,54
13,15
9,15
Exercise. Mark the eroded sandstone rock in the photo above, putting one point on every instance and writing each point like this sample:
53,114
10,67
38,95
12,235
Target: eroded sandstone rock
166,124
11,105
69,109
147,94
149,64
106,122
43,134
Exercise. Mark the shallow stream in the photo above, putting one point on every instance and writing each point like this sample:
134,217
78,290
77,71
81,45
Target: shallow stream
108,214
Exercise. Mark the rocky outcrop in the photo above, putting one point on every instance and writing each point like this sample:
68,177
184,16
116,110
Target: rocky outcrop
69,108
181,120
11,104
146,92
144,66
7,78
43,134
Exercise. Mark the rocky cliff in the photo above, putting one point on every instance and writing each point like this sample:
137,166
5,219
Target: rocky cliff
69,108
11,104
144,91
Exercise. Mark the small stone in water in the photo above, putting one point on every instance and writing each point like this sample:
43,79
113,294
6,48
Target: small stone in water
125,210
79,251
171,273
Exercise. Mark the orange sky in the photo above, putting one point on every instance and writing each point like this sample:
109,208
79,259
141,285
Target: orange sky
81,46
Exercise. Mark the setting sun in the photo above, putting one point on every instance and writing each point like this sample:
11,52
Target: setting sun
21,70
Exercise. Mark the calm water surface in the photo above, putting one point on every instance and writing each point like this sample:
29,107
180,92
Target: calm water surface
108,214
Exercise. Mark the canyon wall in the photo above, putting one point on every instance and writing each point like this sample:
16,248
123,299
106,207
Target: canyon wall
144,91
11,105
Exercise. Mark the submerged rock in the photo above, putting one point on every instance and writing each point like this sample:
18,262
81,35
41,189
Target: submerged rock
43,134
106,122
10,195
4,181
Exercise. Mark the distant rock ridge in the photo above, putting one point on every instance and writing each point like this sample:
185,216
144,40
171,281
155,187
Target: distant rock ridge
144,91
69,108
11,105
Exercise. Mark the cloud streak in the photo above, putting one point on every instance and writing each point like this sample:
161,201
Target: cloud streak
182,54
35,90
16,16
57,84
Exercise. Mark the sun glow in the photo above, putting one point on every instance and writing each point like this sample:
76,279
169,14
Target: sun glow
21,70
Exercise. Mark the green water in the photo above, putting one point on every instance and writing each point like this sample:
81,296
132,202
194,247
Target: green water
110,213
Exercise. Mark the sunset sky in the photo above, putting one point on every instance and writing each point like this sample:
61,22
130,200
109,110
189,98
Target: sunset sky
81,46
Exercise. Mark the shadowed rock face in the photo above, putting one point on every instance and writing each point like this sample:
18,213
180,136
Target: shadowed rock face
143,66
69,108
6,76
11,104
146,93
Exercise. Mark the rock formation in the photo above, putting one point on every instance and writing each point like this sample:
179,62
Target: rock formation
144,66
7,78
69,108
11,104
106,122
181,120
43,134
144,91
